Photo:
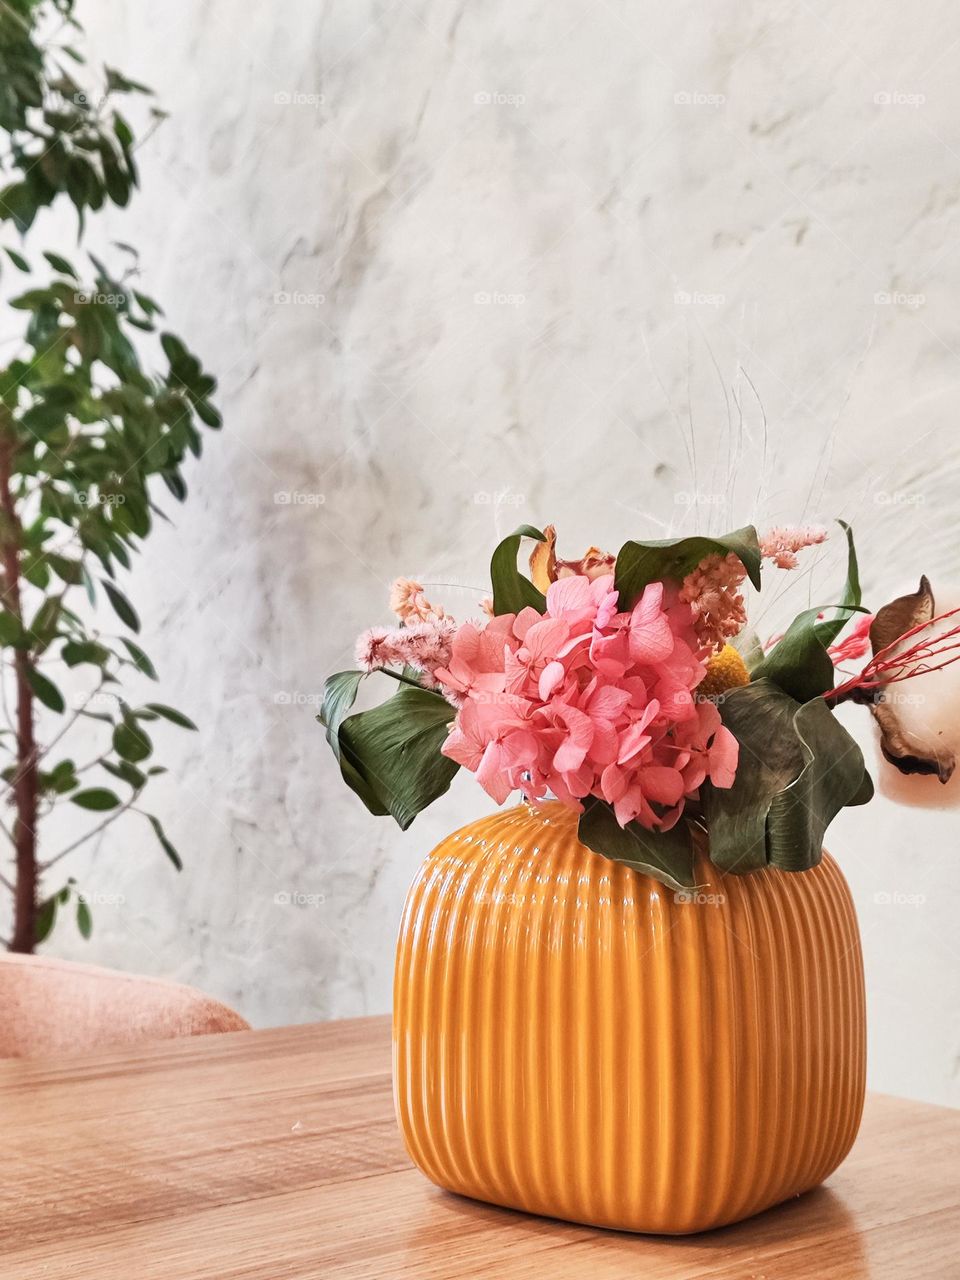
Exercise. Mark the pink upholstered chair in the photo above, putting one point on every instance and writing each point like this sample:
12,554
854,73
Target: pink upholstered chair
56,1007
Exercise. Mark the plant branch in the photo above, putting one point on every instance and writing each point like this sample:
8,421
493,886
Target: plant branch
71,720
101,826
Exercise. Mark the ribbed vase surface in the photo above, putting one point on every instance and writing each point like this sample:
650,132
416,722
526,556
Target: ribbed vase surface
573,1039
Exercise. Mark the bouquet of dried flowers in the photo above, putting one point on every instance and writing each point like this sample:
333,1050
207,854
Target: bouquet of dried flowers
633,690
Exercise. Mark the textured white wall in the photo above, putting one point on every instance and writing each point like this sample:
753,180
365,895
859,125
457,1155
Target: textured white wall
665,205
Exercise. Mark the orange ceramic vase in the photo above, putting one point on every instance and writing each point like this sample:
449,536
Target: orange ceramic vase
573,1039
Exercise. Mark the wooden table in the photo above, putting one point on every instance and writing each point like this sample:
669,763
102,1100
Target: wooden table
266,1155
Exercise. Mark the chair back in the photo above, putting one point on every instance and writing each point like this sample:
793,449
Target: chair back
57,1007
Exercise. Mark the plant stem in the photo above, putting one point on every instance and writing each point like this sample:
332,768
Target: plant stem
71,721
94,831
25,777
398,675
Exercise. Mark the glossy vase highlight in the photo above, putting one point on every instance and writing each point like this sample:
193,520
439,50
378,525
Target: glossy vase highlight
573,1039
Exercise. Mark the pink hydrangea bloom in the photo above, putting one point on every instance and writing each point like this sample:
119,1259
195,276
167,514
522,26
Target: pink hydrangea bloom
586,700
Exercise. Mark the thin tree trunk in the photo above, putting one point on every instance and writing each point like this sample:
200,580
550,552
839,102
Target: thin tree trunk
25,778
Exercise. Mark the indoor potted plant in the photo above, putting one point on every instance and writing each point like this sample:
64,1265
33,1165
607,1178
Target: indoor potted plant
617,1002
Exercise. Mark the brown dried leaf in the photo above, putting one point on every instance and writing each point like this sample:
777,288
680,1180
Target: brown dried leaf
897,617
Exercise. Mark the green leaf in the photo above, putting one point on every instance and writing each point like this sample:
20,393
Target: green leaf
208,414
833,776
45,689
18,260
122,130
167,847
121,605
339,695
74,652
511,590
60,264
12,632
68,571
640,563
799,662
46,919
127,773
97,798
140,659
19,203
850,598
130,742
117,82
169,713
174,349
60,779
44,624
798,767
665,855
84,919
395,751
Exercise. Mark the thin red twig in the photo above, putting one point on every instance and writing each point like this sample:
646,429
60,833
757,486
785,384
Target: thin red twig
887,668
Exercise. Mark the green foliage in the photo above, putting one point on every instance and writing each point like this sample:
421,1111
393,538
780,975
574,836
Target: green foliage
799,663
66,133
50,910
390,756
339,695
97,405
665,855
511,590
640,563
798,768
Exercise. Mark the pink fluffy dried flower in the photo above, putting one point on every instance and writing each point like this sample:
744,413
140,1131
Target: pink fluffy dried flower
782,544
425,646
409,603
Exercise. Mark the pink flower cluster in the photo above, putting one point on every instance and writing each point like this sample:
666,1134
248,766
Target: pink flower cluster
424,646
782,544
713,592
584,700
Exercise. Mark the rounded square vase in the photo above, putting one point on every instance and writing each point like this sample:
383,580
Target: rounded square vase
573,1039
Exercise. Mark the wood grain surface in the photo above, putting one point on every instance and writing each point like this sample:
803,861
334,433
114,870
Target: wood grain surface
272,1155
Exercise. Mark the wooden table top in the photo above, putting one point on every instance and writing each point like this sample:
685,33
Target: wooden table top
273,1155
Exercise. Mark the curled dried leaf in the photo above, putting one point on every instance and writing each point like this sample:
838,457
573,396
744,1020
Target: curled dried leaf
897,617
546,568
543,560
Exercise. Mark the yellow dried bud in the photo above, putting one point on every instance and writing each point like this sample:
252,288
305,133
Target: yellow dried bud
725,670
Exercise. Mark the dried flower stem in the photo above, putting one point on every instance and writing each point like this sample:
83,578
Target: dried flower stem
885,667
